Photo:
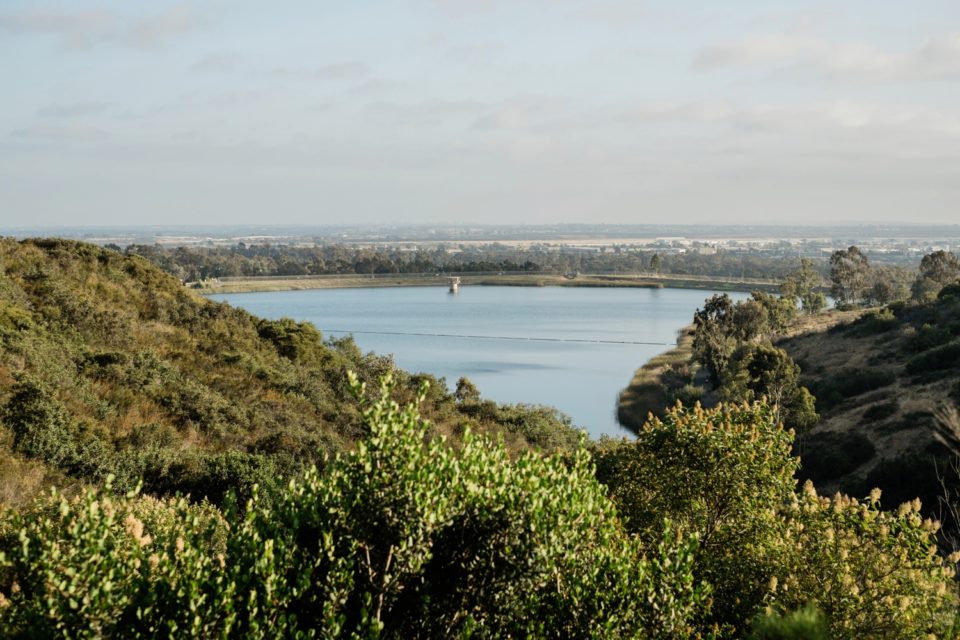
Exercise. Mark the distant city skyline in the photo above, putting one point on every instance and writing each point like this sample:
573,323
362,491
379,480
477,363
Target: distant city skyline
479,111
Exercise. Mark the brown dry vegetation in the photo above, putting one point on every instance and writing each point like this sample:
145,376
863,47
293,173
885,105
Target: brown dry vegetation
877,414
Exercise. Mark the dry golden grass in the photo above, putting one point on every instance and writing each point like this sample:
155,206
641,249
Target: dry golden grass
907,427
644,395
22,481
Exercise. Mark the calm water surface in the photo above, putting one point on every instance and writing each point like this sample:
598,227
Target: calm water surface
568,347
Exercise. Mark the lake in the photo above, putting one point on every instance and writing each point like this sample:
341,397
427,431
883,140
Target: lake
574,348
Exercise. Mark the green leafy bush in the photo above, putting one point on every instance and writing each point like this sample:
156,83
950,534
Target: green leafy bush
720,474
849,383
41,426
404,537
727,475
803,624
873,573
929,336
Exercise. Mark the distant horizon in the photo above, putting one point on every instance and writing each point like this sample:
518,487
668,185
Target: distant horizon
628,234
481,225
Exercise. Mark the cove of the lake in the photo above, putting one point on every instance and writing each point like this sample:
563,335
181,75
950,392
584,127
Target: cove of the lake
573,348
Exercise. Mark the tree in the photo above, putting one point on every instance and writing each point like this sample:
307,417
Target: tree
467,392
750,320
848,275
890,284
803,284
713,341
780,311
763,371
655,263
727,474
937,270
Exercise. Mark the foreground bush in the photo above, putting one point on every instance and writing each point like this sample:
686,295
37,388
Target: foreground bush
874,573
727,476
721,474
405,537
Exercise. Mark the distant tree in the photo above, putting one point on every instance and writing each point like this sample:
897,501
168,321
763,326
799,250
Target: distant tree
762,370
780,310
656,263
467,392
713,340
750,320
937,270
890,284
803,284
848,275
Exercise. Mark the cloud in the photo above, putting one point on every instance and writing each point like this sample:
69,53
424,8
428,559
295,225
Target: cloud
80,30
59,133
153,31
76,30
528,113
800,118
934,59
349,70
220,61
426,113
72,109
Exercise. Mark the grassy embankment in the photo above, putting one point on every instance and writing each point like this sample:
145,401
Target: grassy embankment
646,392
268,283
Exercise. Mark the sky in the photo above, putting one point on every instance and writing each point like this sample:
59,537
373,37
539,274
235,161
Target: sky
479,112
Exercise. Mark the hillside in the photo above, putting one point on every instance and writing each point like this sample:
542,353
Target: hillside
110,366
879,376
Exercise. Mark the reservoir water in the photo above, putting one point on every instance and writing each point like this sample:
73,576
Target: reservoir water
573,348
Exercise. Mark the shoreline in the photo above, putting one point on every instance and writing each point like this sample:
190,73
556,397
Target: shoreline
269,283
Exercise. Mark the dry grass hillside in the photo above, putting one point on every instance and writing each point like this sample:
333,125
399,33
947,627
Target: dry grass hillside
879,376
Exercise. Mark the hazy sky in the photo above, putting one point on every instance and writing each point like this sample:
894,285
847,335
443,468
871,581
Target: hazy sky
512,111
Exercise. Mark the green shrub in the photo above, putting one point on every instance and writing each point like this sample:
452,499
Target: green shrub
873,573
831,455
296,341
849,383
874,322
41,426
803,624
943,357
404,537
881,411
722,474
928,337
